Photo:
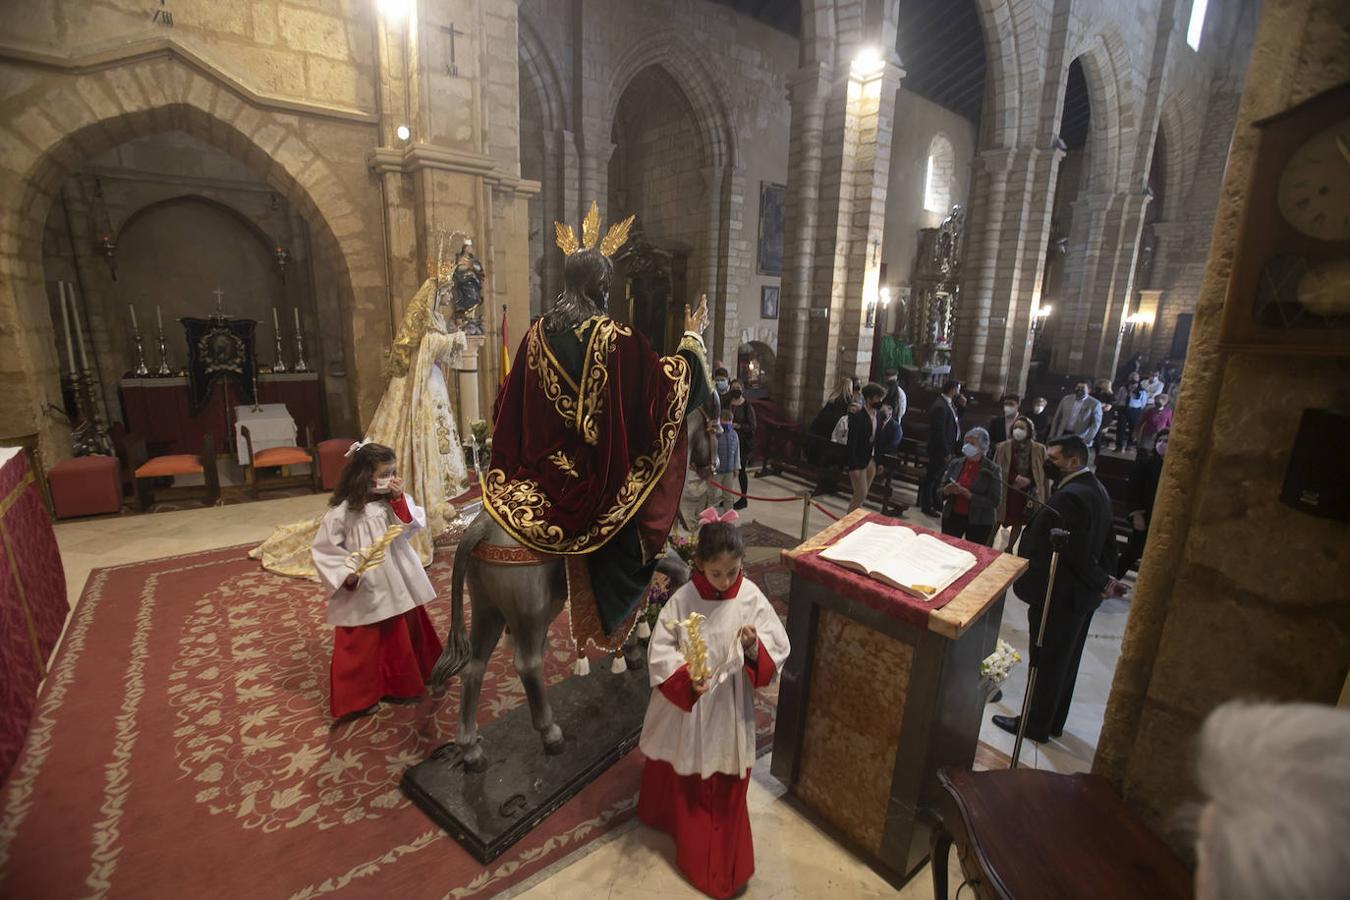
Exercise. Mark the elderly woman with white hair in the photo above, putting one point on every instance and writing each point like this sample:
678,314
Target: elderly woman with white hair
1277,818
971,489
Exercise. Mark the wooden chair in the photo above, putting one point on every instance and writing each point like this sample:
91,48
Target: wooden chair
283,458
148,470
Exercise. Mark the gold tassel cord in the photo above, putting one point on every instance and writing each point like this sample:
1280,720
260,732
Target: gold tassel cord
371,557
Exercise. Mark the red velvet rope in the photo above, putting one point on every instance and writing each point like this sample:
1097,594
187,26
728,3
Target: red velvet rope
752,496
825,511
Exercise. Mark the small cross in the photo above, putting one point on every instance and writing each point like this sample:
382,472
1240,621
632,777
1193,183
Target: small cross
219,294
453,68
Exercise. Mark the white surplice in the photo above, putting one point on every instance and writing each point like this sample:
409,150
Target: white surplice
392,588
718,735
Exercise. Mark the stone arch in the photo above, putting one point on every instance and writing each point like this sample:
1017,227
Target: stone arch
54,129
539,74
1105,136
188,197
1181,136
1000,119
668,51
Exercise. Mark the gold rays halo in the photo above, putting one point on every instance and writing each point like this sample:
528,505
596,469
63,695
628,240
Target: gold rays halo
590,231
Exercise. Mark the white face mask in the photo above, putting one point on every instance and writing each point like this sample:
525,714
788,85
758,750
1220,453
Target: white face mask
1019,434
970,450
382,484
1009,409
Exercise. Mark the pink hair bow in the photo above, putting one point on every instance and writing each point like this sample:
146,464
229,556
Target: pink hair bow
709,515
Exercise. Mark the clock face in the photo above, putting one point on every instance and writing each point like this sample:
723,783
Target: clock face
1314,189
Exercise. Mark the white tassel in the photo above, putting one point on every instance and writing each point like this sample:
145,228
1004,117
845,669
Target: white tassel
582,666
644,630
619,666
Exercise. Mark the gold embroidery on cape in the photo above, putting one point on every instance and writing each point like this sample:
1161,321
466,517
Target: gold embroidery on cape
559,459
580,409
521,507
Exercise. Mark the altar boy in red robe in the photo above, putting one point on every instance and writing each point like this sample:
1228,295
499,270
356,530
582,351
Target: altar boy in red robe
699,734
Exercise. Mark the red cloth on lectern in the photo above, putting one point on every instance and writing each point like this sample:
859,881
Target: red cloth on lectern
573,462
881,597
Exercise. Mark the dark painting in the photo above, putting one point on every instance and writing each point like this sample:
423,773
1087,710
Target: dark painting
771,199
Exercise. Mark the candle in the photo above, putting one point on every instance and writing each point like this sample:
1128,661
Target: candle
65,320
79,332
276,325
159,319
134,325
296,310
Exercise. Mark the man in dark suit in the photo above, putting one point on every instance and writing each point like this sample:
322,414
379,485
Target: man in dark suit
944,436
1086,563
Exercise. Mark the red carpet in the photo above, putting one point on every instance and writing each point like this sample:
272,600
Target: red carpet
181,748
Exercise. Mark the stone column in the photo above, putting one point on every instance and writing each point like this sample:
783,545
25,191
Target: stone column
808,96
1009,227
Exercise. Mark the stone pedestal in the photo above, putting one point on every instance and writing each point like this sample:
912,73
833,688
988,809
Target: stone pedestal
467,380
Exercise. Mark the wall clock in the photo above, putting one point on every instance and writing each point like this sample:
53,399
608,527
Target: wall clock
1290,285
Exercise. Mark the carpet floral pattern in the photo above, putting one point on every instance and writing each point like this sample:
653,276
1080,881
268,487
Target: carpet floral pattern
188,705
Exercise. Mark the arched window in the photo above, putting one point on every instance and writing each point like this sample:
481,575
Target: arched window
937,183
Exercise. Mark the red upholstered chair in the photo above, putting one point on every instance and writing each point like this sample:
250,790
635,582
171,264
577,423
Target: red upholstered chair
332,460
148,471
86,486
279,457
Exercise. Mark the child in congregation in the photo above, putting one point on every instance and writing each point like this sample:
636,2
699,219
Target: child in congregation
728,458
384,645
699,733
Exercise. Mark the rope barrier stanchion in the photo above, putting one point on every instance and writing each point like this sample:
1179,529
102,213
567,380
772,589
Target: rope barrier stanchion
806,515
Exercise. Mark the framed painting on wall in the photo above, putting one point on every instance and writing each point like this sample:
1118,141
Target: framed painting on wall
771,200
768,301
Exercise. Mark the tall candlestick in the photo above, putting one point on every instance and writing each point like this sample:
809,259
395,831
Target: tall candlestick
296,310
135,326
276,325
79,332
159,318
65,320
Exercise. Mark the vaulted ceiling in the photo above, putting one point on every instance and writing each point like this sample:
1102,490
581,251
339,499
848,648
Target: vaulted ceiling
940,42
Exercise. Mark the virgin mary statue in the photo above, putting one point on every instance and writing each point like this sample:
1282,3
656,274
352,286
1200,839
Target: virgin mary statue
414,418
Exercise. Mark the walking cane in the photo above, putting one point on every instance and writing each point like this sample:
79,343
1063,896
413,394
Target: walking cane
1059,539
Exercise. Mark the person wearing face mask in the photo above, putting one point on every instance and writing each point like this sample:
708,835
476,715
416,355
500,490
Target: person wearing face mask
1040,417
896,398
1130,402
743,419
1022,460
722,382
1084,578
1157,417
1143,486
971,490
1079,414
999,426
860,455
823,425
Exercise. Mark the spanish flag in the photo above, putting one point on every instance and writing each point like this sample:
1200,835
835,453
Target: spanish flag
504,358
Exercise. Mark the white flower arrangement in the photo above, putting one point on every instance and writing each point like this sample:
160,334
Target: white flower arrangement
995,666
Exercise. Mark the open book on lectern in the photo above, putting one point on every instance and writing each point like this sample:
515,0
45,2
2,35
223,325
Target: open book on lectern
917,564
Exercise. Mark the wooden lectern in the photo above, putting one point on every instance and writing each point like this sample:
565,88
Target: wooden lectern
882,689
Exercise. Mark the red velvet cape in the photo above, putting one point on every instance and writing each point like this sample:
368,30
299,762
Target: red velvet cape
572,463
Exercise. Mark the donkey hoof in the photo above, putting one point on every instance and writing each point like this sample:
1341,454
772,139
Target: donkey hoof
553,740
475,760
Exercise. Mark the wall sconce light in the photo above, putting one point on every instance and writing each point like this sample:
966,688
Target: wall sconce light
1139,319
1039,316
883,296
403,132
282,258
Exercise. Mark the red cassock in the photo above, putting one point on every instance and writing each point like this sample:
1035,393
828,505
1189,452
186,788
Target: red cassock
391,658
707,816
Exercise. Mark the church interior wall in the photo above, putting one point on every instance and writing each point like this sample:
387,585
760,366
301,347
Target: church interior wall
917,121
1221,611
